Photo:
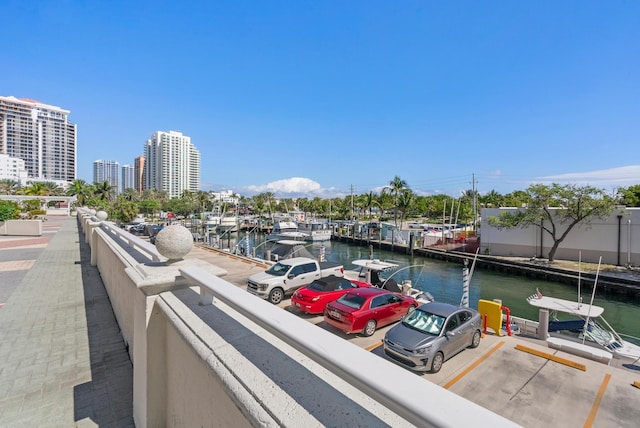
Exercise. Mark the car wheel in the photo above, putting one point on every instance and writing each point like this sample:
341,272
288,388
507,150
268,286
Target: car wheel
436,364
370,328
475,340
276,296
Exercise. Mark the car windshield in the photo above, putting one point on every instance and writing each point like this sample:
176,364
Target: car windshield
278,269
424,322
352,300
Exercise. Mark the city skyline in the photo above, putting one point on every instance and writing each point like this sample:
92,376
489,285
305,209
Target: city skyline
311,99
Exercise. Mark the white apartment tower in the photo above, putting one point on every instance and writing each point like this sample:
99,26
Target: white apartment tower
172,163
107,170
128,181
41,135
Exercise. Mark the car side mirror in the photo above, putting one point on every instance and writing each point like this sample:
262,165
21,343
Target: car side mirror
290,276
450,333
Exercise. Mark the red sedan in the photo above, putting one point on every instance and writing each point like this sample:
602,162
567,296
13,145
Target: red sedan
365,309
314,297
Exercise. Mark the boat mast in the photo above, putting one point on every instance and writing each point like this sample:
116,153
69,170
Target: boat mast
593,295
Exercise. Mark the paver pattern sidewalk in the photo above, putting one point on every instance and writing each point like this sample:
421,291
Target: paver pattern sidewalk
63,362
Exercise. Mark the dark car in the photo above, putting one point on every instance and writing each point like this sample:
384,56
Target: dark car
365,309
153,232
432,334
137,229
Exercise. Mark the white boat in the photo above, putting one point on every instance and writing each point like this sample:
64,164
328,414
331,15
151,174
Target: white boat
582,326
315,231
285,229
212,221
228,223
286,249
370,270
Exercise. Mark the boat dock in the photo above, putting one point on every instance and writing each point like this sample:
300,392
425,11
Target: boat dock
517,377
626,285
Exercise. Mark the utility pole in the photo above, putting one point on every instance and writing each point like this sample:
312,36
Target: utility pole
475,202
352,202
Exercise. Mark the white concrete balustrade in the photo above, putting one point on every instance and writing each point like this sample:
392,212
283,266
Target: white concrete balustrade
207,353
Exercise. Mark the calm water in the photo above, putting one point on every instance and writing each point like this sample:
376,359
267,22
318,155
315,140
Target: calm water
444,281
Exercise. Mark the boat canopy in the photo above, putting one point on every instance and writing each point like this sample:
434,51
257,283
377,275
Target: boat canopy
375,265
566,306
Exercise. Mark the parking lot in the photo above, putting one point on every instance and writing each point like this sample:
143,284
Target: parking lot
516,377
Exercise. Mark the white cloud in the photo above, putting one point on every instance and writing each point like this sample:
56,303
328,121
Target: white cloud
623,176
294,187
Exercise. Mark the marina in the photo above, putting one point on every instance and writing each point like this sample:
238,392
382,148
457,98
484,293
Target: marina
442,277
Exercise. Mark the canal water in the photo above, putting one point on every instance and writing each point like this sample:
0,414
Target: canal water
444,281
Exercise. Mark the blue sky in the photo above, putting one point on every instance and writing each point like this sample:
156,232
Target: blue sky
325,97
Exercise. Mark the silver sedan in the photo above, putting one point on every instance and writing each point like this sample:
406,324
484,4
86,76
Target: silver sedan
432,334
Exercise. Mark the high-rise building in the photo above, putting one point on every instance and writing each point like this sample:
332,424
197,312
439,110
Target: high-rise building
172,163
13,169
127,177
138,173
41,135
107,170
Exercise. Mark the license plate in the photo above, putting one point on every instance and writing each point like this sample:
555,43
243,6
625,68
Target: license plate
335,314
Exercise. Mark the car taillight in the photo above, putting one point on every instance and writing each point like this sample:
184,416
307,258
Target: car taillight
342,270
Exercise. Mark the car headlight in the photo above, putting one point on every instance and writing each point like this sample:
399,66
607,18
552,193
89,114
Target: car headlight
423,351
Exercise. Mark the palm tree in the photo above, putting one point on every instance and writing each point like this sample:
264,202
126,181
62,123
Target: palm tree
9,186
204,201
130,195
405,202
81,190
369,202
52,188
269,200
396,186
383,202
104,190
36,189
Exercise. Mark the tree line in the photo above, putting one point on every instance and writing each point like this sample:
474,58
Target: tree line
394,202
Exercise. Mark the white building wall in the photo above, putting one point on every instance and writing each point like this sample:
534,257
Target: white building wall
615,239
13,169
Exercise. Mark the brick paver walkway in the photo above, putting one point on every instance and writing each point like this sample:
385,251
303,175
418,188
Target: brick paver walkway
63,362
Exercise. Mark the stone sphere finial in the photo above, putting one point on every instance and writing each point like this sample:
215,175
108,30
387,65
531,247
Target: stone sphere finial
92,211
101,215
174,242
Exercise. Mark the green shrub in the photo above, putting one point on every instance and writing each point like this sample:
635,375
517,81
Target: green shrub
9,210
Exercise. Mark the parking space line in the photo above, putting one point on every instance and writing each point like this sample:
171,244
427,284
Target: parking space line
374,346
596,404
474,365
552,357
